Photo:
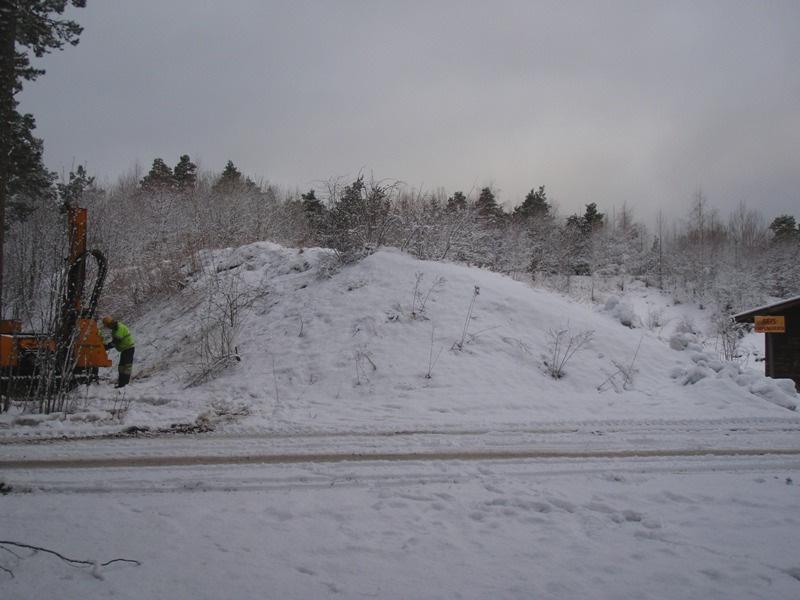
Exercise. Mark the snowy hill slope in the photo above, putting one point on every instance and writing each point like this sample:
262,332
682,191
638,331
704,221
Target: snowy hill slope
353,350
350,350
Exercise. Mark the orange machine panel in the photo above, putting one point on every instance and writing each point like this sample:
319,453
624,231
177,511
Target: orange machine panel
33,343
10,326
8,351
12,345
90,350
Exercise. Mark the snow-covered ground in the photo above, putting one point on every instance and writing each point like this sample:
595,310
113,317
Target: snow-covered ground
387,344
374,441
657,528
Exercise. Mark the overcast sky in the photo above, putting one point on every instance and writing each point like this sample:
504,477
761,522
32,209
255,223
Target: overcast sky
600,101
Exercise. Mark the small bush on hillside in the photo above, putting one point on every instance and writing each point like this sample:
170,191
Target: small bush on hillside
622,312
433,358
459,345
655,318
228,298
622,377
364,364
328,266
686,325
420,297
562,346
729,335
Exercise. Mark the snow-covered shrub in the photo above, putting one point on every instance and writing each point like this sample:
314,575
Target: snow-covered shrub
360,217
562,346
363,365
729,336
328,266
686,325
655,318
420,296
685,337
680,341
34,256
228,296
708,366
611,303
433,358
677,372
130,289
622,312
51,389
621,378
774,391
459,345
787,385
695,374
223,411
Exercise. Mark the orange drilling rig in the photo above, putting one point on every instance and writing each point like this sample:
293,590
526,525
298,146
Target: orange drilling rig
74,350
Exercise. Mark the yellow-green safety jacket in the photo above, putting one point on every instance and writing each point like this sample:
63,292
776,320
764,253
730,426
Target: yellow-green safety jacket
121,337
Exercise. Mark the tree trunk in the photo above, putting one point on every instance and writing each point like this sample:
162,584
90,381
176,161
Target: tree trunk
8,26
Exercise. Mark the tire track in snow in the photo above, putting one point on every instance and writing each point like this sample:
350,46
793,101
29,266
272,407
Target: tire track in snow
454,455
565,426
383,474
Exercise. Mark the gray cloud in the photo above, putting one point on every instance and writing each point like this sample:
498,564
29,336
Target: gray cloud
608,102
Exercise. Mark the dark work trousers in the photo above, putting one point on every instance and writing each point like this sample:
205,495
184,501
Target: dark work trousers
125,367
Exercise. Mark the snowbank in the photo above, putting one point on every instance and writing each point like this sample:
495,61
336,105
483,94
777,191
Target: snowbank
387,344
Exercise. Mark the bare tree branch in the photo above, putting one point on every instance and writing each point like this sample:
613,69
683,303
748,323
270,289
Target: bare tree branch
72,561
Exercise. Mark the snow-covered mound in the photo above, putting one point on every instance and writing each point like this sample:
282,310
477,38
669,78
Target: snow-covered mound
394,343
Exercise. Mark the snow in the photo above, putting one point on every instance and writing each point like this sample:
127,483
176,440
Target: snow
338,467
510,529
351,352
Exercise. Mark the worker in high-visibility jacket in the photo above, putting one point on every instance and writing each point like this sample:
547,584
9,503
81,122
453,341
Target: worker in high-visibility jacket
122,340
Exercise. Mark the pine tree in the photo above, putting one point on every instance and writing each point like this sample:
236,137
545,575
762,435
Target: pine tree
535,205
312,205
230,181
360,217
159,179
31,25
487,204
576,246
592,219
783,268
784,228
347,216
313,213
577,243
79,182
457,201
185,174
29,179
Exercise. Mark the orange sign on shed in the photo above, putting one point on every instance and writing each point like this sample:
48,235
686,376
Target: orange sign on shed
770,324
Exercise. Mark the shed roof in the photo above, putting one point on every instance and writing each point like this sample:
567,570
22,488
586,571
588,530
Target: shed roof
768,309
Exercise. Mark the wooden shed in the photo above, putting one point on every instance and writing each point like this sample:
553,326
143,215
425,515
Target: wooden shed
780,322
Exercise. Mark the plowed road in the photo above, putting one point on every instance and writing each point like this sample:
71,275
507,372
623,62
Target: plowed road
585,440
182,461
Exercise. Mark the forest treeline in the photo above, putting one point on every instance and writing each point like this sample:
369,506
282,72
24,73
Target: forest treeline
152,226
